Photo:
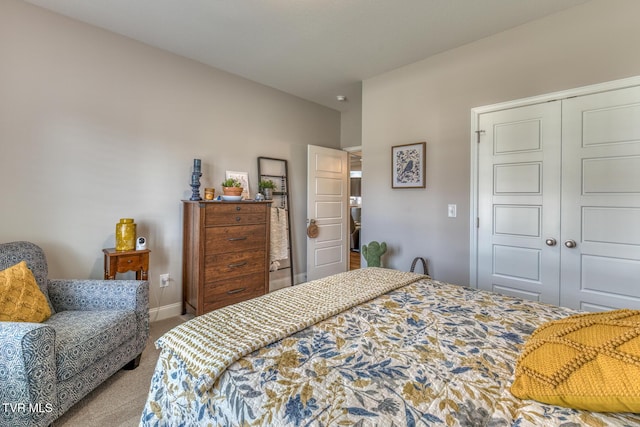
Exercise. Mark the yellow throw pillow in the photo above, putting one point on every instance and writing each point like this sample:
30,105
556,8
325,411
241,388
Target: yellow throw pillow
21,300
586,361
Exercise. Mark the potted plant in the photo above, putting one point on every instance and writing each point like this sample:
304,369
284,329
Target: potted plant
231,187
266,187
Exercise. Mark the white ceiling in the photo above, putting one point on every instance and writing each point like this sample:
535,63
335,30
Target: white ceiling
314,49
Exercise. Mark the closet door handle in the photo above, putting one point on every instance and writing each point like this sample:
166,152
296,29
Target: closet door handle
551,241
570,244
235,239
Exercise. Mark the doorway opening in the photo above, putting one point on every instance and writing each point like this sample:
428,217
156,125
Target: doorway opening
355,206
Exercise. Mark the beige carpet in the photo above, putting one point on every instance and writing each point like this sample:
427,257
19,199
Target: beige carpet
119,400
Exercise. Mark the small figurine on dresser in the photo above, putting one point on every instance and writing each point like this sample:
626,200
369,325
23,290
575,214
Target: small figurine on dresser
195,180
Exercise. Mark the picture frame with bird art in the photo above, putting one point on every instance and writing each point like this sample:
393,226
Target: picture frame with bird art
408,165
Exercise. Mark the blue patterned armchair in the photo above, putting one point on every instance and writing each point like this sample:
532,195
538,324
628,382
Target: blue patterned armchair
96,328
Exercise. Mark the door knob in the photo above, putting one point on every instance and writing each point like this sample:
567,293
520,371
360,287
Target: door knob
551,242
570,244
312,229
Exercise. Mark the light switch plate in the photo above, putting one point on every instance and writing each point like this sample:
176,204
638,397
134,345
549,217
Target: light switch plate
452,211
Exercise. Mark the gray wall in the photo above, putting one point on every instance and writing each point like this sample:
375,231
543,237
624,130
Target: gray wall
431,101
95,127
351,121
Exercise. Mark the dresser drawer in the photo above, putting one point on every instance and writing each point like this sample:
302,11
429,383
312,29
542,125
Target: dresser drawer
235,238
129,263
221,293
235,214
233,264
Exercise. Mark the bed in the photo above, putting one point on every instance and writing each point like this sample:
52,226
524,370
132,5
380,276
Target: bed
368,347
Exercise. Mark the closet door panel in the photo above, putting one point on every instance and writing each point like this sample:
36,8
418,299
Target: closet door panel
601,201
519,201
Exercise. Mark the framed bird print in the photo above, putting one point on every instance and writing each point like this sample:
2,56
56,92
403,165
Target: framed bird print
408,165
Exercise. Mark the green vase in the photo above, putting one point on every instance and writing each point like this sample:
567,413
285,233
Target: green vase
125,235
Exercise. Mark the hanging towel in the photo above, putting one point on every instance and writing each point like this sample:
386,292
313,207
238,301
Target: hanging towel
279,247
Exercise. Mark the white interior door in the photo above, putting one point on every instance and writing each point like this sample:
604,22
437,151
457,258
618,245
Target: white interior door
601,201
328,207
519,202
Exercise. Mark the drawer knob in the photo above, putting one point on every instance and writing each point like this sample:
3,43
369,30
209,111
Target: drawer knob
235,239
237,218
238,208
130,261
235,291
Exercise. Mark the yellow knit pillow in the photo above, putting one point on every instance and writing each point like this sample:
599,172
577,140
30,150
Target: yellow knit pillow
587,361
21,300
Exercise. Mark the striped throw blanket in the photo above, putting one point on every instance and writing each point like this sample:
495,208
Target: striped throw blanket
210,343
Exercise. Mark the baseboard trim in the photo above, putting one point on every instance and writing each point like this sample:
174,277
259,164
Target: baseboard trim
165,312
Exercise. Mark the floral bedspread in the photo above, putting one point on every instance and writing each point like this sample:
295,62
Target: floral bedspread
210,343
428,353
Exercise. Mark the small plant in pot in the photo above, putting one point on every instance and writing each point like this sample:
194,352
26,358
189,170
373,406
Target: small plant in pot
231,187
266,187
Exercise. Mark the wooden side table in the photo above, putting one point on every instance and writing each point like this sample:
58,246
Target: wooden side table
123,261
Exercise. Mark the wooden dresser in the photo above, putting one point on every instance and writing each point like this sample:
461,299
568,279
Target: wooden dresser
225,253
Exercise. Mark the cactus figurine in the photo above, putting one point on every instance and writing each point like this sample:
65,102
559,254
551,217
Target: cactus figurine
372,253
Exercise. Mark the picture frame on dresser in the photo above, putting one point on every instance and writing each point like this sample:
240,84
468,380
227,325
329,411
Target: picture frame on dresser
243,178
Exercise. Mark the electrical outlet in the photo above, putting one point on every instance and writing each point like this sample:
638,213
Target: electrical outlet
164,280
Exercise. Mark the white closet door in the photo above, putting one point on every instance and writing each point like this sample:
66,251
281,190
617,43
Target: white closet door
601,201
519,201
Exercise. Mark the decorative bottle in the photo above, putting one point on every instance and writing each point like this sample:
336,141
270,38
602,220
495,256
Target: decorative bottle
125,235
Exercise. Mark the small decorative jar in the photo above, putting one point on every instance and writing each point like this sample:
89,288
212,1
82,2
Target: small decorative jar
125,235
209,193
